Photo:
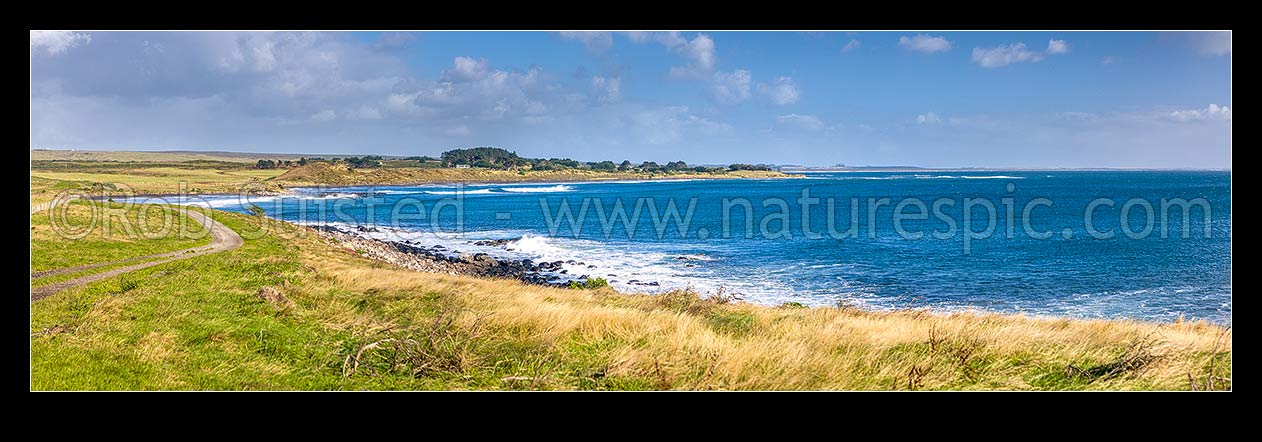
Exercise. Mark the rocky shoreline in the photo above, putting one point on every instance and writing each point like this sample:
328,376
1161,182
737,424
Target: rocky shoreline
439,259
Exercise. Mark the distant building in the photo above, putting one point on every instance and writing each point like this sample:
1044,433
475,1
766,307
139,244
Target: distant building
462,166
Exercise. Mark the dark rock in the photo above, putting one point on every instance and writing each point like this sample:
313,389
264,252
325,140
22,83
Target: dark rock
495,242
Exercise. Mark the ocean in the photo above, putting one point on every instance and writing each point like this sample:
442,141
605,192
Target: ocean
1085,244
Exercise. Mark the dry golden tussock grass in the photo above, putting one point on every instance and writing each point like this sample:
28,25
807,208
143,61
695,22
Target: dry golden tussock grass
682,341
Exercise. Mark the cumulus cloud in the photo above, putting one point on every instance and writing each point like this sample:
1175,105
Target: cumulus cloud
733,87
1212,112
1057,46
334,93
1004,55
475,89
924,43
595,41
671,39
466,69
928,118
804,121
700,51
781,92
851,45
323,81
56,42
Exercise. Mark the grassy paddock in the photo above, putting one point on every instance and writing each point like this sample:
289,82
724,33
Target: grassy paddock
161,178
352,323
95,232
167,156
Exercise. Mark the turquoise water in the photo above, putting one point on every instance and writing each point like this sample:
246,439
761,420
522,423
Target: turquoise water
1071,273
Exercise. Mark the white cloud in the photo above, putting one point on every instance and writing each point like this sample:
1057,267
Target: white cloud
56,42
731,88
924,43
1004,55
803,121
466,69
783,91
264,59
1108,60
324,116
1212,112
928,118
851,45
595,41
669,39
1057,46
700,52
606,89
459,131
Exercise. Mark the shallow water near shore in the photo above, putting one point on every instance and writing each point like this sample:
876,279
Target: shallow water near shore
884,266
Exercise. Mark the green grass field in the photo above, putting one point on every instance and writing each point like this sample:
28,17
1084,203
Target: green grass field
90,233
167,156
165,180
359,324
352,323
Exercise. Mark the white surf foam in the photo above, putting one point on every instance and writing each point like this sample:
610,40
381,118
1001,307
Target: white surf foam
458,192
549,189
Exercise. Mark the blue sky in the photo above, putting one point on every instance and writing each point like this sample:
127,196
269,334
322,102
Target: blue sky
948,99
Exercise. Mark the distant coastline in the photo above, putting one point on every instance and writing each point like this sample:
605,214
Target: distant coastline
805,169
211,173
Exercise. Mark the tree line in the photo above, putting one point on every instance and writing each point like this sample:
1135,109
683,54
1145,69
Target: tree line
503,159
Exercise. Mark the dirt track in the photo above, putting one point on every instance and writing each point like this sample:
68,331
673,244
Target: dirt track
221,239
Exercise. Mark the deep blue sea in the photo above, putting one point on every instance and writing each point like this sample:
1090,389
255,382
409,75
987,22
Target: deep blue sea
1132,273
